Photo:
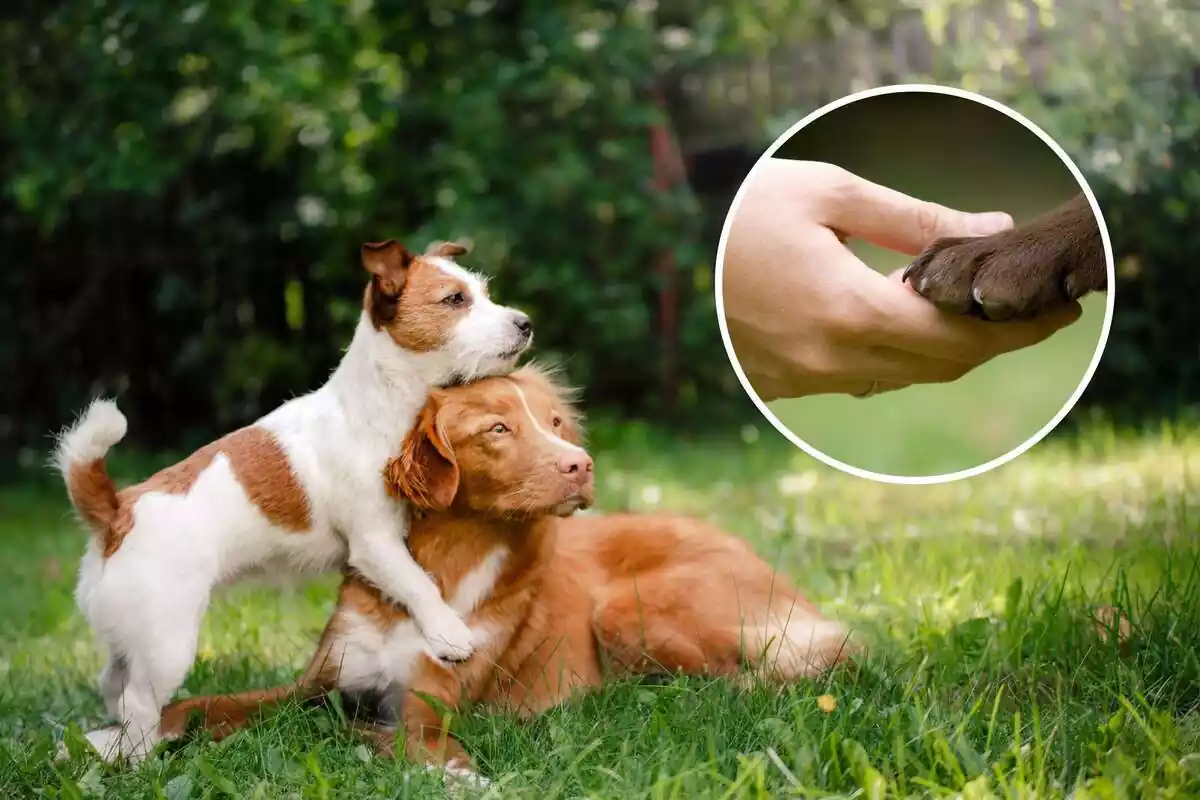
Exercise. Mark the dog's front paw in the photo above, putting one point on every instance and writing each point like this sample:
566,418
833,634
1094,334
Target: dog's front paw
449,638
944,273
459,773
106,742
995,277
1014,274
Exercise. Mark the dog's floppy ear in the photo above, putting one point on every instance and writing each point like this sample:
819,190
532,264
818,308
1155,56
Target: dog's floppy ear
388,261
449,250
425,473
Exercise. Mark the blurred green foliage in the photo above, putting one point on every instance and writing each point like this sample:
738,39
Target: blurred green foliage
1117,84
185,185
186,188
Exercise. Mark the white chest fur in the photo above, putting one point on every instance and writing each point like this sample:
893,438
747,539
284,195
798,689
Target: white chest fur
371,658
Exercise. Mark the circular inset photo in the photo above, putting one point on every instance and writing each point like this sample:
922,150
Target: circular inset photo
913,284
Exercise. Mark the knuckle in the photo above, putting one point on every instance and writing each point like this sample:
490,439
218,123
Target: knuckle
815,361
856,324
854,317
929,218
840,185
832,174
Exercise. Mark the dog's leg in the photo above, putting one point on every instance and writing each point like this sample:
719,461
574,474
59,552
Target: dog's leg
434,694
436,691
656,624
645,629
1017,273
112,682
380,555
153,680
155,659
555,657
225,714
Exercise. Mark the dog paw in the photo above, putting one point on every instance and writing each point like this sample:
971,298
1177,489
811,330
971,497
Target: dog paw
1014,274
105,742
450,639
459,774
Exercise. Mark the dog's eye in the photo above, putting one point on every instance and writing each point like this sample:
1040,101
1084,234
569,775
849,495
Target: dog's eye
456,299
499,427
557,422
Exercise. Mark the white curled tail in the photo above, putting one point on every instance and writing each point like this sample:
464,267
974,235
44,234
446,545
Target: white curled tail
79,456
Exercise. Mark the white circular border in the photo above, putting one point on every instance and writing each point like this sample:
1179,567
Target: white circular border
919,480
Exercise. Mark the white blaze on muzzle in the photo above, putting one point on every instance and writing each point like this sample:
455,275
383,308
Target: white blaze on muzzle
553,437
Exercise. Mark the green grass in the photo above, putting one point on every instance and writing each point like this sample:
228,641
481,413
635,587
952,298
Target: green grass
939,428
986,676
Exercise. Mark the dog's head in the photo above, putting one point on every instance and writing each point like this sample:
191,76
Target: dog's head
500,447
430,305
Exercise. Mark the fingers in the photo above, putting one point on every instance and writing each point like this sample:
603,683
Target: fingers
855,387
910,322
859,387
885,386
891,219
894,368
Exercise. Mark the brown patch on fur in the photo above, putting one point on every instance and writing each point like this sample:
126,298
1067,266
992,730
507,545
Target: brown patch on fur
409,297
265,473
258,463
1017,273
93,494
388,262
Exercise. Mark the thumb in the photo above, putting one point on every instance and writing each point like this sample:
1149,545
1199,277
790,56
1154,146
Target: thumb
891,219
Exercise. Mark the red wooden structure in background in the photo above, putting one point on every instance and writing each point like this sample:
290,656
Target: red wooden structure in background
669,171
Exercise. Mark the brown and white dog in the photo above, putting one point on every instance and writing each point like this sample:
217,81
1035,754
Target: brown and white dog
299,489
557,604
1015,274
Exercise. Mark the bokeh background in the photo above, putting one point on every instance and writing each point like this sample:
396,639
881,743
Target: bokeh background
183,191
965,155
185,187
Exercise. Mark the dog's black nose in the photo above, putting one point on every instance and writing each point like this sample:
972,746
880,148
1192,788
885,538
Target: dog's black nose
524,325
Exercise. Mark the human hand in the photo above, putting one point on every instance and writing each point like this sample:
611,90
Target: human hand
806,316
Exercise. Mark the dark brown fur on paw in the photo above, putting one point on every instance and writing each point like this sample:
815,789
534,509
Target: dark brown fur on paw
1018,273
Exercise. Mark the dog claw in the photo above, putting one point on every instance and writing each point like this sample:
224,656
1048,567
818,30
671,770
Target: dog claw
1071,288
952,307
996,312
908,271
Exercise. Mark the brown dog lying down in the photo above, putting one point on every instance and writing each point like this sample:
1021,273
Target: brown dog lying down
557,604
1017,273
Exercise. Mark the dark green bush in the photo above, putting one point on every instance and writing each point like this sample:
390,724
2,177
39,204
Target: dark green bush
184,189
185,192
